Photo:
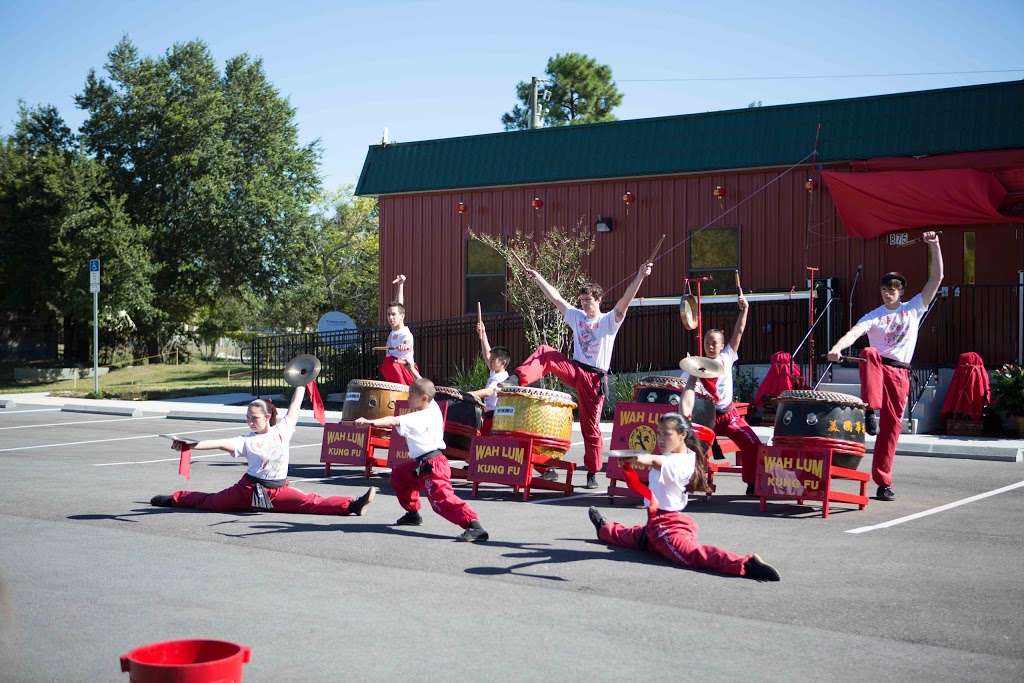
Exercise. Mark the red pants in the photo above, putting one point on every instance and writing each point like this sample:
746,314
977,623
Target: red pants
885,389
238,498
673,535
732,425
547,360
396,373
438,486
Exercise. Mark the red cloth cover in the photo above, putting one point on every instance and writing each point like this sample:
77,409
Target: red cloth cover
783,375
872,204
969,390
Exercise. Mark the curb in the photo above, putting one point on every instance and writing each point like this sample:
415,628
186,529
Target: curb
102,410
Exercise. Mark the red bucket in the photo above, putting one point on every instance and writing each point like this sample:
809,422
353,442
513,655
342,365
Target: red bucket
186,661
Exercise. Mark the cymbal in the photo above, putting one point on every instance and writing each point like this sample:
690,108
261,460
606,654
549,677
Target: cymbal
301,370
699,366
624,454
688,312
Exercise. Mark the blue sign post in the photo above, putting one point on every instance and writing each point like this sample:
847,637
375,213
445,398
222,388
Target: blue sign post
94,287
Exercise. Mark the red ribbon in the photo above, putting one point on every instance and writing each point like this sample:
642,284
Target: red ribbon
318,403
185,462
637,486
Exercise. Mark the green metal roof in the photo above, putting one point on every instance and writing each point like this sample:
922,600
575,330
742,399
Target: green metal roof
971,118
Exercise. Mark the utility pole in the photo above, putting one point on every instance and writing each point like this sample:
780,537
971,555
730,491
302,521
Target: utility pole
534,111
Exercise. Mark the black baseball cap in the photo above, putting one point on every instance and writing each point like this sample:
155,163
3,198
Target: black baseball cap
889,277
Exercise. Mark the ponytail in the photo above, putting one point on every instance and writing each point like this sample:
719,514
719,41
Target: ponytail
699,480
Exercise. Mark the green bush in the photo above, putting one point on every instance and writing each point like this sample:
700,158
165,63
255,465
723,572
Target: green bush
1008,389
472,378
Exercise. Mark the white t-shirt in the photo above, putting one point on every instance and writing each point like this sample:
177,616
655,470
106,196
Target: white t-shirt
267,453
593,339
403,335
668,483
723,387
423,430
493,380
894,331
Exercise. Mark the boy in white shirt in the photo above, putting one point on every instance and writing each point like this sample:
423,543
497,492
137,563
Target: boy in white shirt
264,486
885,373
398,365
728,421
497,359
593,336
668,532
427,468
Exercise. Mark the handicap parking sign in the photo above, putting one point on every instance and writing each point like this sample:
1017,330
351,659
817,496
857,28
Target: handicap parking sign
94,265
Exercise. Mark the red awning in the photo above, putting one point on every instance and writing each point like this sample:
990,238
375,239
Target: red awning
874,203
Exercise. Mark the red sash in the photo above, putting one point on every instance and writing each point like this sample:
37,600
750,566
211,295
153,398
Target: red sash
318,403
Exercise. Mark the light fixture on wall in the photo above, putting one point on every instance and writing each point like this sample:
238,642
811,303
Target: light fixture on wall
628,199
603,224
719,193
810,184
537,203
461,207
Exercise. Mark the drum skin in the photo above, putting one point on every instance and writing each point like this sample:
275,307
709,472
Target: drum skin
535,412
668,390
823,415
463,418
371,399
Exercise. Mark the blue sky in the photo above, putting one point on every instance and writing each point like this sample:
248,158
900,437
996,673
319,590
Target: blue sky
440,69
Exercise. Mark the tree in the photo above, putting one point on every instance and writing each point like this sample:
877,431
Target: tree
57,211
558,256
577,90
339,270
211,163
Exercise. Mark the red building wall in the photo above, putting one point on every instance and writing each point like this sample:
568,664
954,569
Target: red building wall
423,235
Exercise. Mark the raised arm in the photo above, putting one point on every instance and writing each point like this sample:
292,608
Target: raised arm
931,287
386,421
627,297
485,346
292,417
225,445
741,323
399,283
550,292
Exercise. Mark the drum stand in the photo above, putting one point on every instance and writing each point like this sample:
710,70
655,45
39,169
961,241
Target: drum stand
376,437
527,481
826,496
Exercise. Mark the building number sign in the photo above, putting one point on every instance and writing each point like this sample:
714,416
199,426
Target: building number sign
898,239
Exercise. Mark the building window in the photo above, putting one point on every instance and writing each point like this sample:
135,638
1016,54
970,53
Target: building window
716,253
485,278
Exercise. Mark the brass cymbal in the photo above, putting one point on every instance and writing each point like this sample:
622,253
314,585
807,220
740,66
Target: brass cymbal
688,312
699,366
301,370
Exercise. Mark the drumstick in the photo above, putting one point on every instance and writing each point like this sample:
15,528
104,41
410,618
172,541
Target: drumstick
518,260
739,288
383,348
479,315
845,359
657,247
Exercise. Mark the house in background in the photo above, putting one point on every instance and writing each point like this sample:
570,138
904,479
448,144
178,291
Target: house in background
739,189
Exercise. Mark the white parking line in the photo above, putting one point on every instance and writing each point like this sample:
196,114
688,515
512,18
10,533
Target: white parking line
123,438
86,422
932,511
32,410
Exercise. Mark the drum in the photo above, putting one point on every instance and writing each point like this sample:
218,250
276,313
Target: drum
371,399
669,390
547,415
463,417
822,418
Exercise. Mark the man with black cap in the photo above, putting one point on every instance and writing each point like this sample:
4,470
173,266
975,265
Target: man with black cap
885,372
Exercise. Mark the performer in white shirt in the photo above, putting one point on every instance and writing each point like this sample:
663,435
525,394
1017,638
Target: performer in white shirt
885,373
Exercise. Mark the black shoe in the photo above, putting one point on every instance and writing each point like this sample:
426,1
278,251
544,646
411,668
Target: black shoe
591,480
750,489
597,519
410,519
871,423
161,501
550,474
759,570
474,533
358,506
885,493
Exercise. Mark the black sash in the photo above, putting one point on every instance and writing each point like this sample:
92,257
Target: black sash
602,388
893,363
260,499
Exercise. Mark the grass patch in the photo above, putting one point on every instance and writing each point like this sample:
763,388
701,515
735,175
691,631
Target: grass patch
150,382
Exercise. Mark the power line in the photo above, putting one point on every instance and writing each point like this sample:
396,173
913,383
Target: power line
807,77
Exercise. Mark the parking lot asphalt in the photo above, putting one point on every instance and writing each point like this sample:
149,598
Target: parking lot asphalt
922,590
